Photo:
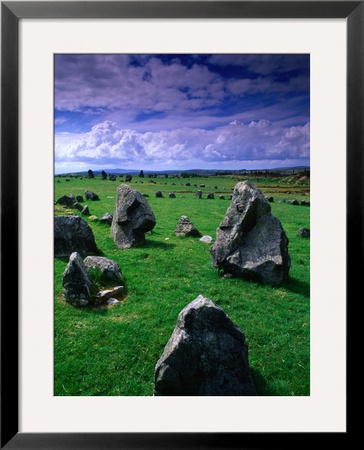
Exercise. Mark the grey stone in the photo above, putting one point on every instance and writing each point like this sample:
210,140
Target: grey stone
66,200
73,234
85,211
109,269
91,195
78,206
185,228
112,301
250,242
198,194
304,232
132,218
106,218
76,282
206,239
207,355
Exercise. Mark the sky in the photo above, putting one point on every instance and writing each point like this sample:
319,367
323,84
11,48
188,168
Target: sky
183,111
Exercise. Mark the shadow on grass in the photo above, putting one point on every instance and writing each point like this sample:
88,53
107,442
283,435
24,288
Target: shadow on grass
158,244
298,287
262,386
98,252
294,285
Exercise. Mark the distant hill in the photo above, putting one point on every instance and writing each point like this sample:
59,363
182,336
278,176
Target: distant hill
202,172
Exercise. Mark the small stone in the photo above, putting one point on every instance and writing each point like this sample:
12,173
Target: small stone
112,301
206,239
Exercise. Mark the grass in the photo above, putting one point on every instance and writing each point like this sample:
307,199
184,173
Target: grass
112,351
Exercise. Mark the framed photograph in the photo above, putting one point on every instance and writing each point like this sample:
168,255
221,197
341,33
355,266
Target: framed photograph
273,90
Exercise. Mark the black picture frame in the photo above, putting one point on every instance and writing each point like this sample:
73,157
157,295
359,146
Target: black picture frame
11,13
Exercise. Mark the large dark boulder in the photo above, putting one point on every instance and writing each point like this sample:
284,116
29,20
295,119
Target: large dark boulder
250,242
207,355
132,218
73,234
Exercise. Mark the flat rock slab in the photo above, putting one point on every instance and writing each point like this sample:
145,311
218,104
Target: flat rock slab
107,294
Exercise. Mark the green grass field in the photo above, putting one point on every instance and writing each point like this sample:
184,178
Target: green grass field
112,351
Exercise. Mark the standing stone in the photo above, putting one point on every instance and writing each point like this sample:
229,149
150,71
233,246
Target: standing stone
77,284
199,194
250,242
132,218
85,211
207,355
185,228
73,234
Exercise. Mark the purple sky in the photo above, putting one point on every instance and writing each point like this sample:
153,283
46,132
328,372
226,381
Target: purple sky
183,111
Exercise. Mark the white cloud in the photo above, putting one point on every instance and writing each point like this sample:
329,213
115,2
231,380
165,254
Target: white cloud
234,142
